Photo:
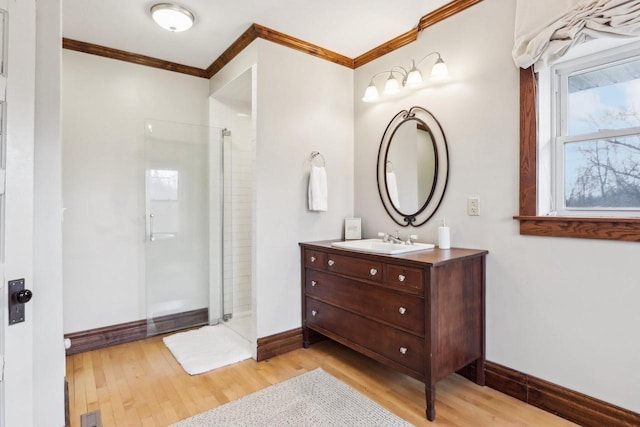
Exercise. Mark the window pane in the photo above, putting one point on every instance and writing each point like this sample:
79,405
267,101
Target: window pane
163,184
603,173
606,98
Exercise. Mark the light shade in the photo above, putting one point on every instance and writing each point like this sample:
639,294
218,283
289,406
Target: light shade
414,78
371,93
172,17
439,70
392,85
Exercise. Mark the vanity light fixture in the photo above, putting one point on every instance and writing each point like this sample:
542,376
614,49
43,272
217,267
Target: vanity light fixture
411,78
172,17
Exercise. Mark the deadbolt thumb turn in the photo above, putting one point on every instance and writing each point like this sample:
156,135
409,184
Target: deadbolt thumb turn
18,297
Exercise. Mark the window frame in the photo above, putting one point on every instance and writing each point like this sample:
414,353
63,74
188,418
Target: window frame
623,229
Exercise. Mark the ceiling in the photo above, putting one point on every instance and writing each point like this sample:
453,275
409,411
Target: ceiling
347,27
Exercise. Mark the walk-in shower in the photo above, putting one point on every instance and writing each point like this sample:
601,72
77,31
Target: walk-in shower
192,244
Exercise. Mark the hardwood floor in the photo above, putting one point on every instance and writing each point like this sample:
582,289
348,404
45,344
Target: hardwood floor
141,384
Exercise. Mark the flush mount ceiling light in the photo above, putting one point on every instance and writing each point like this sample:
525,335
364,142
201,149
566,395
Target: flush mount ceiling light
411,78
172,17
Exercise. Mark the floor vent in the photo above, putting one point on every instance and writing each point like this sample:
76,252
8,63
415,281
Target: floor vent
91,419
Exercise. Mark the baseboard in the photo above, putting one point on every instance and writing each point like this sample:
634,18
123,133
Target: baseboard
94,339
174,322
281,343
571,405
107,336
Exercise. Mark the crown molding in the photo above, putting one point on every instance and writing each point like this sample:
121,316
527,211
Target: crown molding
445,12
232,51
122,55
396,43
259,31
303,46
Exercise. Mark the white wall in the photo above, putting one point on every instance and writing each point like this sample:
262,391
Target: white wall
104,106
303,104
564,310
49,362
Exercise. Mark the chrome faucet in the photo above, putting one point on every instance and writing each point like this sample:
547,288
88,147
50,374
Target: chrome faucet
389,238
411,239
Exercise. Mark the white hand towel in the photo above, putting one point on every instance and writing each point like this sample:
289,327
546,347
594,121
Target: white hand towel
318,189
392,188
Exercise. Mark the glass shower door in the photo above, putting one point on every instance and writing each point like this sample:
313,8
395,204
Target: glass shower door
183,209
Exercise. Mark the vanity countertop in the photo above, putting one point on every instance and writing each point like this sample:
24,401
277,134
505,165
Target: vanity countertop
433,256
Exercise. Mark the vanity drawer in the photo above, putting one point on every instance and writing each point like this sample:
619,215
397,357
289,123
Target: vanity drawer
356,267
315,259
401,347
405,277
402,310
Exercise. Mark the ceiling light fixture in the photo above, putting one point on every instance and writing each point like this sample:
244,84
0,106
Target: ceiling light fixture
172,17
410,78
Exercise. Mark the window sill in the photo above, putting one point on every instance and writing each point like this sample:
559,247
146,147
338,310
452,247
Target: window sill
625,229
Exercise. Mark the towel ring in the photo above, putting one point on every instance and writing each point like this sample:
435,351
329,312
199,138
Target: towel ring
316,156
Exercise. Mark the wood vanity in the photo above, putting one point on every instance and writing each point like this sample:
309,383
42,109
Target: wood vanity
422,313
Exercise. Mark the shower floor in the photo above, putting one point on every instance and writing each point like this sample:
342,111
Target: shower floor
242,323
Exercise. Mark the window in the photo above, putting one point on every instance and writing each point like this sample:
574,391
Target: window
539,213
595,137
163,184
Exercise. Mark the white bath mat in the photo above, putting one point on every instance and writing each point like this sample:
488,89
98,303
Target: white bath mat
207,348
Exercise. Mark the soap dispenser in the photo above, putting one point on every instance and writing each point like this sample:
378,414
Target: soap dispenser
444,237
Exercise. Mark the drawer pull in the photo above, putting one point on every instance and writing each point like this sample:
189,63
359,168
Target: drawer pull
402,310
313,312
331,262
373,271
313,283
401,277
403,350
313,258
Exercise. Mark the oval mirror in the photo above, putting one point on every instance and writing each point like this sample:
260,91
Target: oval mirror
413,167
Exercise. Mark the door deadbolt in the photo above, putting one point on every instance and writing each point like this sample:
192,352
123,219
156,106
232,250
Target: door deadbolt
18,297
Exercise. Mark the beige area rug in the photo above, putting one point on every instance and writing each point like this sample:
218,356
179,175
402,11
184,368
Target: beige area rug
314,399
207,348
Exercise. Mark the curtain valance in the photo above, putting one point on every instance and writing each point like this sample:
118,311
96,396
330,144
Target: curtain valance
546,29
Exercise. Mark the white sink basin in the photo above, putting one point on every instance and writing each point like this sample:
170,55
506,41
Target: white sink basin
377,246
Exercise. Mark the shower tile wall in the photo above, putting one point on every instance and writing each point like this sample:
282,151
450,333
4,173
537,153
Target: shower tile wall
238,222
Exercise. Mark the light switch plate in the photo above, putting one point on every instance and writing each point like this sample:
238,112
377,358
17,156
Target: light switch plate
473,206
